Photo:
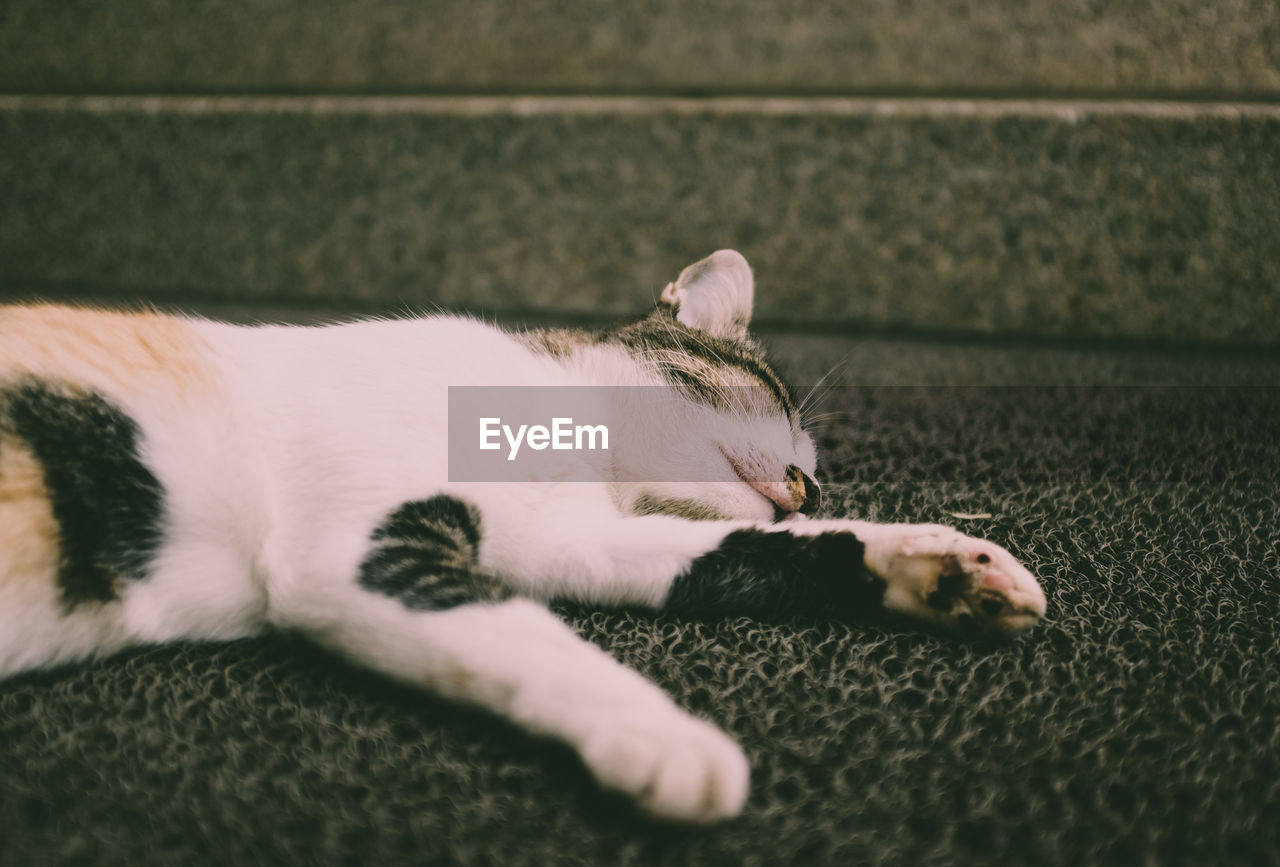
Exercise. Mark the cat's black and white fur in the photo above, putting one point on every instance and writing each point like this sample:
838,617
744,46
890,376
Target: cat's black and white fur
165,479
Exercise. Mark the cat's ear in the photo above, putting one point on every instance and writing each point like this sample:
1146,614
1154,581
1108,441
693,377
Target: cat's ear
714,295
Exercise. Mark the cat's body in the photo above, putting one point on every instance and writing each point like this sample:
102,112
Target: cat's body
165,479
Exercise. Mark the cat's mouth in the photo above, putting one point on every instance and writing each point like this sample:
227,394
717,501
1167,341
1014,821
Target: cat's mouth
797,492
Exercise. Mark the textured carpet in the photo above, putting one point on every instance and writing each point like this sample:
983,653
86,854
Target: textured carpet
1138,725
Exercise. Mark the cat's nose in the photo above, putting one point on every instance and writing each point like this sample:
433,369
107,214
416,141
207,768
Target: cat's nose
804,490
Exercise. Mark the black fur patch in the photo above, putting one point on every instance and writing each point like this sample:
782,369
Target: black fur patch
951,584
424,555
109,507
776,574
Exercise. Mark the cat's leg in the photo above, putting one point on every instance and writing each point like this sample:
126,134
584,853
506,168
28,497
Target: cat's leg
841,568
412,603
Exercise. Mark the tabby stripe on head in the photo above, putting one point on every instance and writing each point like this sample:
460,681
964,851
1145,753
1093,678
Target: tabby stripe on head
771,574
108,505
424,556
661,332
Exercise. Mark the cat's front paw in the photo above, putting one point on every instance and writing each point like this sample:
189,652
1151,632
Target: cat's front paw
937,574
675,766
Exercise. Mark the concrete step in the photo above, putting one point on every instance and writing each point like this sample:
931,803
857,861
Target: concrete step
1151,221
1131,47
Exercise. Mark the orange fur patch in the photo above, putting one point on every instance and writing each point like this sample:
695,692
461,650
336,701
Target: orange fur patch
110,352
28,531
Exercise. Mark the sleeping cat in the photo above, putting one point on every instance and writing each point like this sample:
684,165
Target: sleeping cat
166,478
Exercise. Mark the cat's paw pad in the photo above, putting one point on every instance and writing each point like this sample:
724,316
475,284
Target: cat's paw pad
675,766
937,574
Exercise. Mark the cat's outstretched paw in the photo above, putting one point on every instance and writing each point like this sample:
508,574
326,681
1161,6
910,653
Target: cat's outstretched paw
939,575
675,766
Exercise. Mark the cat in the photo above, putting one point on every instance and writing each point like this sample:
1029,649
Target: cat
165,478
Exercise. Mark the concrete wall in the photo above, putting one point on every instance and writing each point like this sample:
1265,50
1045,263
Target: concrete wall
1128,191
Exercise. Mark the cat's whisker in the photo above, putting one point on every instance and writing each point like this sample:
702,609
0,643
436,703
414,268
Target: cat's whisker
814,394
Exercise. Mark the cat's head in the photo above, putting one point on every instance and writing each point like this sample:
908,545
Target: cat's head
727,441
